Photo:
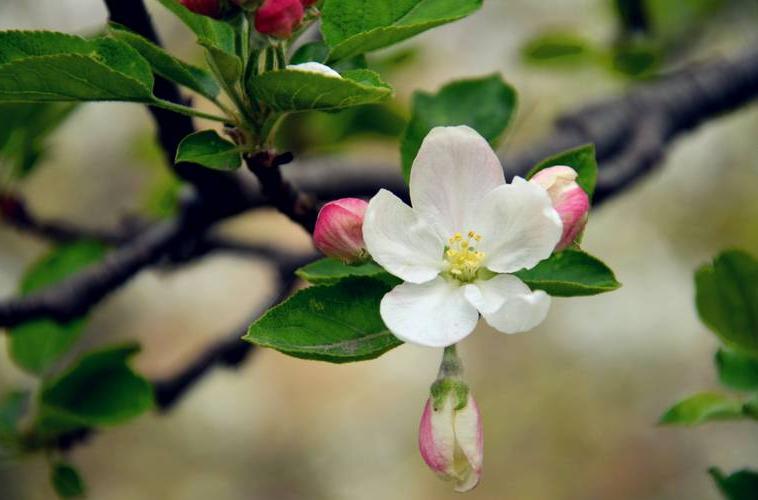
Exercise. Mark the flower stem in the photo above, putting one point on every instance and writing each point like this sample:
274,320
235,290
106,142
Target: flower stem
451,365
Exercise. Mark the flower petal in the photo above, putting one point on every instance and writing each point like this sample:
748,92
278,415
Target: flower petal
454,169
470,439
519,226
436,437
400,241
490,295
522,308
433,314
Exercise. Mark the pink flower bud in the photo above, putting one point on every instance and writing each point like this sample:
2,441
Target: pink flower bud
279,17
569,200
210,8
451,440
339,230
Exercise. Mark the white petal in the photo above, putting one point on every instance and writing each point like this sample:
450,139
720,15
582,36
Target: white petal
519,227
468,436
400,241
314,67
521,311
433,314
454,169
490,295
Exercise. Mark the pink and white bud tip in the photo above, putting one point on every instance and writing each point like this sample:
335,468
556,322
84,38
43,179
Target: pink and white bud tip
450,439
339,230
569,200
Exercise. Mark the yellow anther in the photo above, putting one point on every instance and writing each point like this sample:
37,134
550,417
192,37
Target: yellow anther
462,258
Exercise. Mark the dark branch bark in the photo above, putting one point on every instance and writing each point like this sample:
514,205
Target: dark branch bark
295,204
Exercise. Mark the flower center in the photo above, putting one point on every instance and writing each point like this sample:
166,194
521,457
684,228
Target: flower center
462,258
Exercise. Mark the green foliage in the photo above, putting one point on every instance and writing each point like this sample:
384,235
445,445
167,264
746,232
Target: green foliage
167,66
673,19
327,132
352,27
557,47
702,408
727,299
741,485
325,271
737,370
37,344
210,32
99,390
636,58
24,134
37,66
485,104
570,273
66,481
295,90
311,52
209,149
337,323
581,159
13,406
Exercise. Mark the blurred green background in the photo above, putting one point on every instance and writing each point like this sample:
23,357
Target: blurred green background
569,409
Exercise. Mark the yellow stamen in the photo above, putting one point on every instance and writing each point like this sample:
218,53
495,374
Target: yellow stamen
462,258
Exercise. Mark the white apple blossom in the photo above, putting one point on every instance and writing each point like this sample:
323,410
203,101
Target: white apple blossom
455,248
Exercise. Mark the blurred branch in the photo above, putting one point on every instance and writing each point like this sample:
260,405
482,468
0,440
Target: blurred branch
230,352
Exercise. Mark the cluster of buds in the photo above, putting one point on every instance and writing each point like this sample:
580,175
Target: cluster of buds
277,18
450,436
339,230
569,200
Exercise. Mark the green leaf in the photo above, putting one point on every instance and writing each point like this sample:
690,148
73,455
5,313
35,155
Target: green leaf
25,132
325,271
636,58
737,370
336,323
557,47
311,52
485,104
37,344
210,32
227,66
38,66
296,90
741,485
727,299
12,408
99,390
352,27
581,159
166,65
66,481
570,273
209,149
702,408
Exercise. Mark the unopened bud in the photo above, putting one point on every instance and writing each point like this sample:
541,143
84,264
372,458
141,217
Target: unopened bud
279,18
210,8
450,435
339,230
569,200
